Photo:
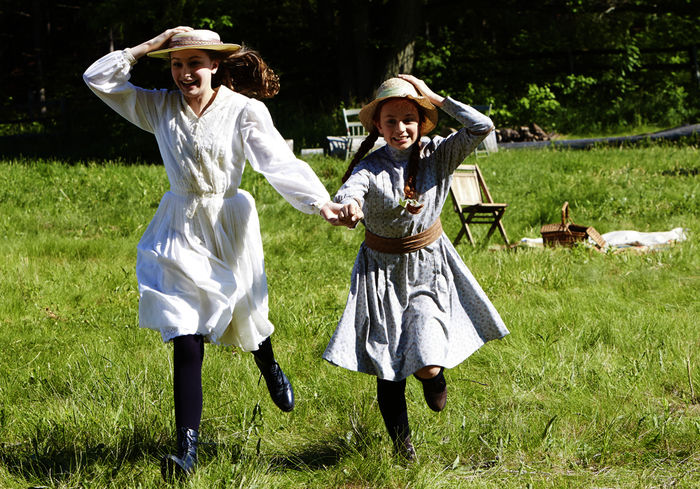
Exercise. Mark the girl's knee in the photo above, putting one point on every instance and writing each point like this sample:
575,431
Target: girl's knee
428,372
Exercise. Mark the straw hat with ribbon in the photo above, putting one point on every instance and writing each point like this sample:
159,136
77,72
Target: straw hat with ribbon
399,88
195,39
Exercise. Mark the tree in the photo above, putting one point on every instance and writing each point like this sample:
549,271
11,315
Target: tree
637,59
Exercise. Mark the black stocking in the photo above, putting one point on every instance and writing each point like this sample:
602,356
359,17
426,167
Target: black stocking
391,397
264,353
188,355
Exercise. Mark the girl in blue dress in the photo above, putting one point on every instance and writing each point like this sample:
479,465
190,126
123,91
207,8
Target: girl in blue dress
413,308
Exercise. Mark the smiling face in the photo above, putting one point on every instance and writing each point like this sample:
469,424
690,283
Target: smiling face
399,123
192,70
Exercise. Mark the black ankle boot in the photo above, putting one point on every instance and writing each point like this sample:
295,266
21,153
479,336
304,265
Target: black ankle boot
278,385
435,391
404,450
183,464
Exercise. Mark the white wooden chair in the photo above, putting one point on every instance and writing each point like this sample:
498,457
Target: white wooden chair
353,126
354,131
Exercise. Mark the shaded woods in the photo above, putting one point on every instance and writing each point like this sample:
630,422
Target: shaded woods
565,65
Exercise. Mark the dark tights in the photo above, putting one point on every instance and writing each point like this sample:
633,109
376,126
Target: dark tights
391,397
264,352
188,354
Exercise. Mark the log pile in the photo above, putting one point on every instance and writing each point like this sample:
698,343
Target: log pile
533,132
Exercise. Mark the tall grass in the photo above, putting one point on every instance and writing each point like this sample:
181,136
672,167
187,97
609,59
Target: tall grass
598,384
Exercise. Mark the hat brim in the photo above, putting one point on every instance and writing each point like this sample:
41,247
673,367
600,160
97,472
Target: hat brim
165,53
366,114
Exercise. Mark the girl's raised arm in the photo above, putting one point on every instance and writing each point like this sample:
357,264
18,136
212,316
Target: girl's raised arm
424,90
157,42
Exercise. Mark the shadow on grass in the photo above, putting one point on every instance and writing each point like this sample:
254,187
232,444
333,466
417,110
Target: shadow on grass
50,458
312,457
324,453
54,460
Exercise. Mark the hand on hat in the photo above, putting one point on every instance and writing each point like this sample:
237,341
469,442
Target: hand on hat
157,42
424,90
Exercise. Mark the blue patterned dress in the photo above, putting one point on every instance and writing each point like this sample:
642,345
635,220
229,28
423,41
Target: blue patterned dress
408,311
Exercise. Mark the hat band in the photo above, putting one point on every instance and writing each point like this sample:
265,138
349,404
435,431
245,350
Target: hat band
397,92
190,41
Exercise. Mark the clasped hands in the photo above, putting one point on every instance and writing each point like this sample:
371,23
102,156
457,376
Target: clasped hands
342,214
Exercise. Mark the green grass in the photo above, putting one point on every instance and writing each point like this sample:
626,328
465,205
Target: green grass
597,385
614,132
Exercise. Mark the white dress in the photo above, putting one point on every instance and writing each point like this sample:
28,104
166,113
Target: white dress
407,311
200,263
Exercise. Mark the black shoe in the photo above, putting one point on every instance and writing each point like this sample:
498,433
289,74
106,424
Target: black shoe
435,391
404,450
280,389
177,467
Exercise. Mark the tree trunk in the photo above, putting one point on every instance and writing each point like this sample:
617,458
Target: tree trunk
353,58
393,27
38,27
403,18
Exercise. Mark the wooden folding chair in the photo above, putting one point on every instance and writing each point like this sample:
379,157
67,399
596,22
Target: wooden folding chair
473,203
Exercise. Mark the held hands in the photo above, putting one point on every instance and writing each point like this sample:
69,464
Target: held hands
423,89
342,215
158,42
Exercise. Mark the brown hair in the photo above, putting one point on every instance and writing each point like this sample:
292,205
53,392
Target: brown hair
409,189
245,72
367,144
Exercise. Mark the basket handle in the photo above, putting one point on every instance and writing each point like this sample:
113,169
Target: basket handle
565,213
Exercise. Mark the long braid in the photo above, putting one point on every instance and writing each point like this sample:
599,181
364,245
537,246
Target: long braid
367,144
409,189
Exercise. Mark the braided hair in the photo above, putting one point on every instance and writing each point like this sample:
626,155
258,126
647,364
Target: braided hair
367,144
409,189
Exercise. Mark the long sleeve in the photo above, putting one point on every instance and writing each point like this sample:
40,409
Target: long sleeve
451,151
268,154
355,187
108,78
473,121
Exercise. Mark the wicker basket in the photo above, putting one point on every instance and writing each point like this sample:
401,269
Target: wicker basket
567,233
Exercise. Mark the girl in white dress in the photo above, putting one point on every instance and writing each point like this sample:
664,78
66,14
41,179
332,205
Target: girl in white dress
413,307
200,262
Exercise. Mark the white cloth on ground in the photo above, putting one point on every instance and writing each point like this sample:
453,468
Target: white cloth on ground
620,239
624,239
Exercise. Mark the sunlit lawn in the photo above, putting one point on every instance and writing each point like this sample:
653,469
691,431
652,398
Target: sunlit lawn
598,384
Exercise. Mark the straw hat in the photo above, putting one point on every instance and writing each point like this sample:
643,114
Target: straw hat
397,87
196,39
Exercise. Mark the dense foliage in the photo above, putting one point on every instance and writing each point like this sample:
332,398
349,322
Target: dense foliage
571,65
568,65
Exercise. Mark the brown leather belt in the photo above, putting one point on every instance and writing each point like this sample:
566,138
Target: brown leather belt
406,244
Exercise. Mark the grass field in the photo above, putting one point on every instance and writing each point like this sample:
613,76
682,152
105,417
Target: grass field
597,386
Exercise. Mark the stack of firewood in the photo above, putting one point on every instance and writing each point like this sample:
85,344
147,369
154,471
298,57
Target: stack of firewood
533,132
